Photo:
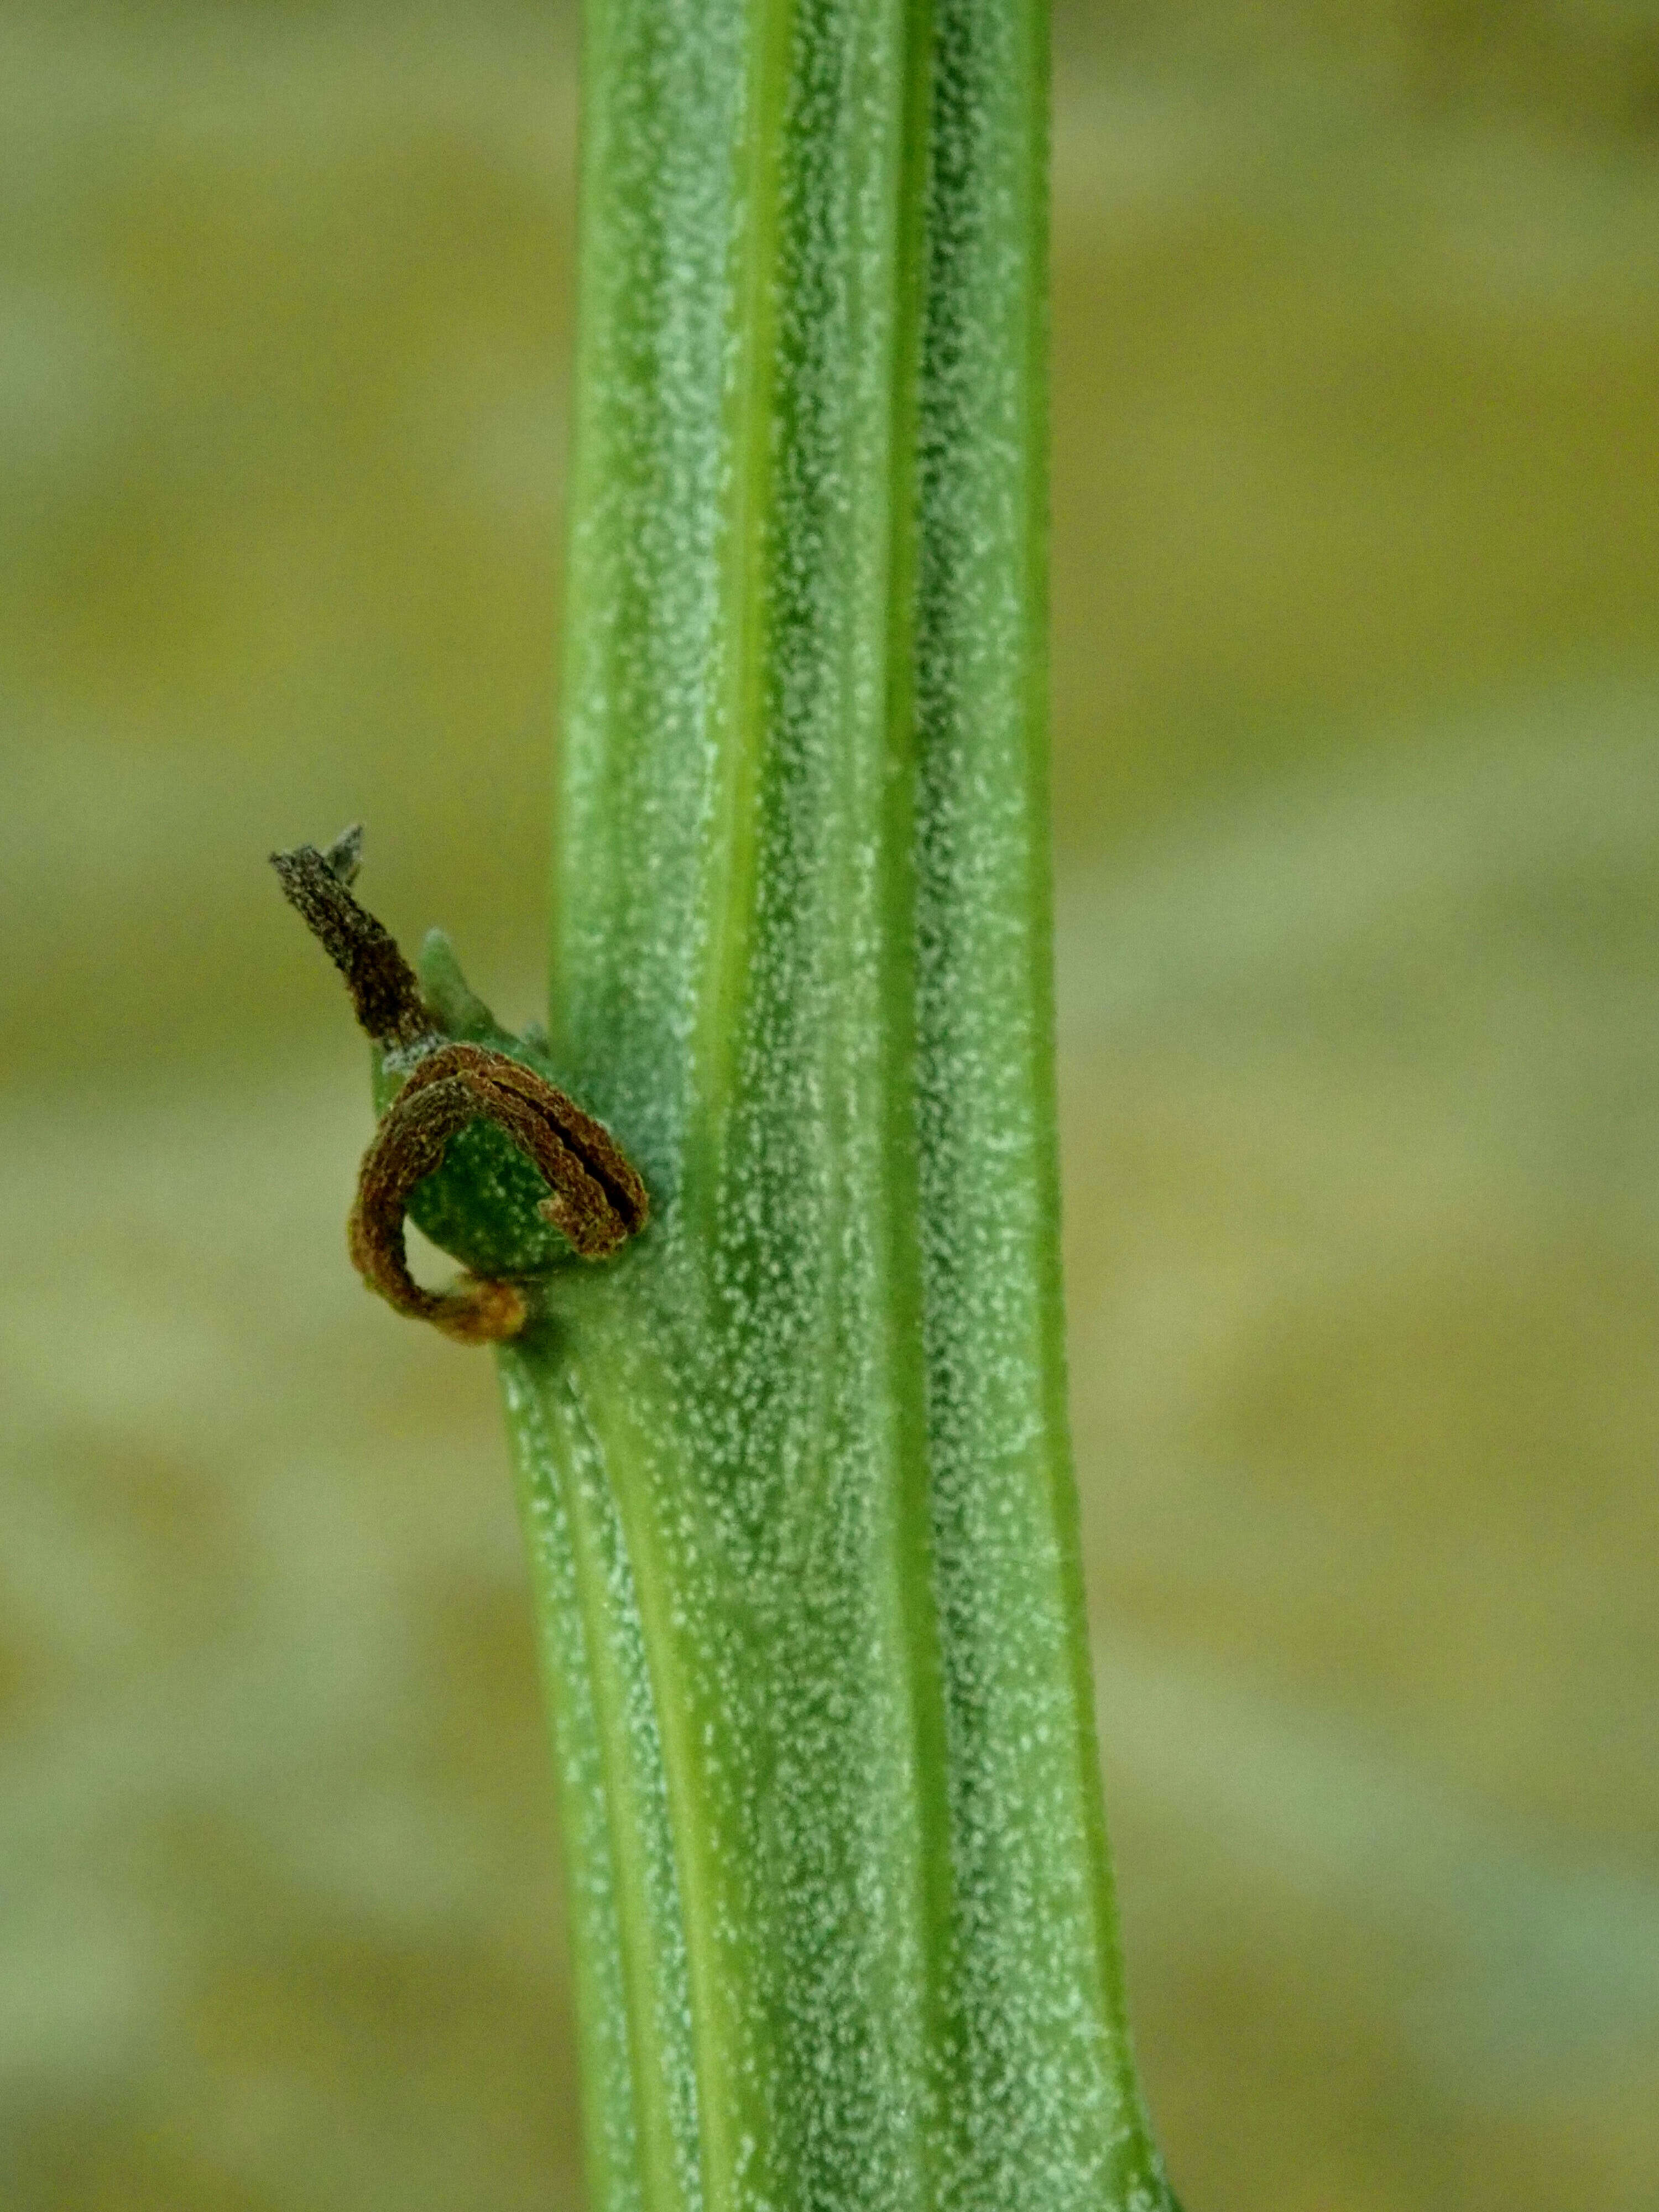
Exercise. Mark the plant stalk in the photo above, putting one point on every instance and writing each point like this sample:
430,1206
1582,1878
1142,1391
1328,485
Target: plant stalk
794,1468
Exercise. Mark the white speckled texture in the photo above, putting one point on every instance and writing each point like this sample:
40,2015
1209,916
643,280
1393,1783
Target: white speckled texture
796,1469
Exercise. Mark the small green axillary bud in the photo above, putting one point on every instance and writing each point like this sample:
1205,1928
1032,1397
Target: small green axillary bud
594,1196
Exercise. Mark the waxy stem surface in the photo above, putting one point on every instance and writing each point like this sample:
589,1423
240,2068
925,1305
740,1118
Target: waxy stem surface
794,1466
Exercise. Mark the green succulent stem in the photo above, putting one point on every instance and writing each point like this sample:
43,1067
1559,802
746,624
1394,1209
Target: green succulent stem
793,1468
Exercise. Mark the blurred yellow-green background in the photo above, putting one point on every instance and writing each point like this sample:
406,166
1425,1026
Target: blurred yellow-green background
1356,692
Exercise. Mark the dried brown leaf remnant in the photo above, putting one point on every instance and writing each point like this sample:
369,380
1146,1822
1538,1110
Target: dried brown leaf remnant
595,1197
384,994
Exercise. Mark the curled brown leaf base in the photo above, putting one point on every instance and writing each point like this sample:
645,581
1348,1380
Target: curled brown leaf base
595,1198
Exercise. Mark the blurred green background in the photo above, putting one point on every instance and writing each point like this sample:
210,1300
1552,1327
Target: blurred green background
1356,689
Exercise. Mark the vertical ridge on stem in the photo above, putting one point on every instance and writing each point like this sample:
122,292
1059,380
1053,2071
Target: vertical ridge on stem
639,2087
1044,2105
